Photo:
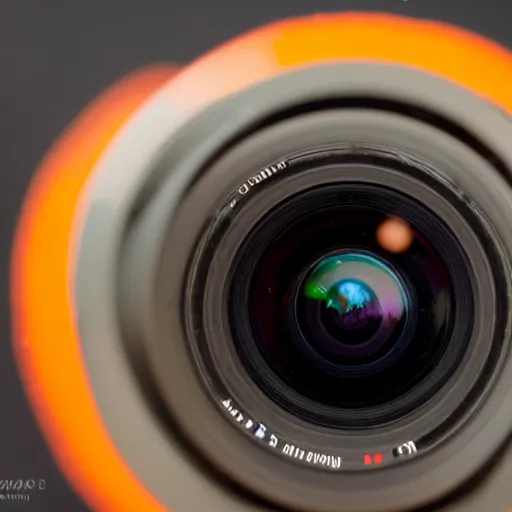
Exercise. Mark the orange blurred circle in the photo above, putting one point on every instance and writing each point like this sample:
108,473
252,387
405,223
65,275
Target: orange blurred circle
395,235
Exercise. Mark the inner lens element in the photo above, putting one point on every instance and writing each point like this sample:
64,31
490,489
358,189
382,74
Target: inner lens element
356,306
351,304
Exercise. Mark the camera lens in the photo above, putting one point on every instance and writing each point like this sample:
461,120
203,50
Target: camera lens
312,310
339,301
331,309
344,307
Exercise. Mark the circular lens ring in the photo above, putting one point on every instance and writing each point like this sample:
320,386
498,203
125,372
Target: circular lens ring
218,327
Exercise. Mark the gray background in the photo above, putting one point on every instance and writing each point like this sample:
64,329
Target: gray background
55,56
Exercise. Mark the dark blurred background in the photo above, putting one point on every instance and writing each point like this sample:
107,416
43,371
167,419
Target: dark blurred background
55,56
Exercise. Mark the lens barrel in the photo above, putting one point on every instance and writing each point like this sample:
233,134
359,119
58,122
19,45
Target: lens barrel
332,366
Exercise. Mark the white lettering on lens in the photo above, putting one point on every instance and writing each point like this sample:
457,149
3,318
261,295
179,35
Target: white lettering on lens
319,459
405,449
261,432
237,415
263,175
244,189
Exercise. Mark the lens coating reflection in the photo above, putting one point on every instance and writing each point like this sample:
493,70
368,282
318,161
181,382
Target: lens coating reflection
354,307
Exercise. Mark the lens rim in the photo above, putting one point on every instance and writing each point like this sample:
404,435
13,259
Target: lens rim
226,360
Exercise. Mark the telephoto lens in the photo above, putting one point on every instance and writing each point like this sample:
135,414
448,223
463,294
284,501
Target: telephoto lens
291,292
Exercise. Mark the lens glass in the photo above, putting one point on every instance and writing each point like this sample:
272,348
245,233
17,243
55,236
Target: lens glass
352,306
341,301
